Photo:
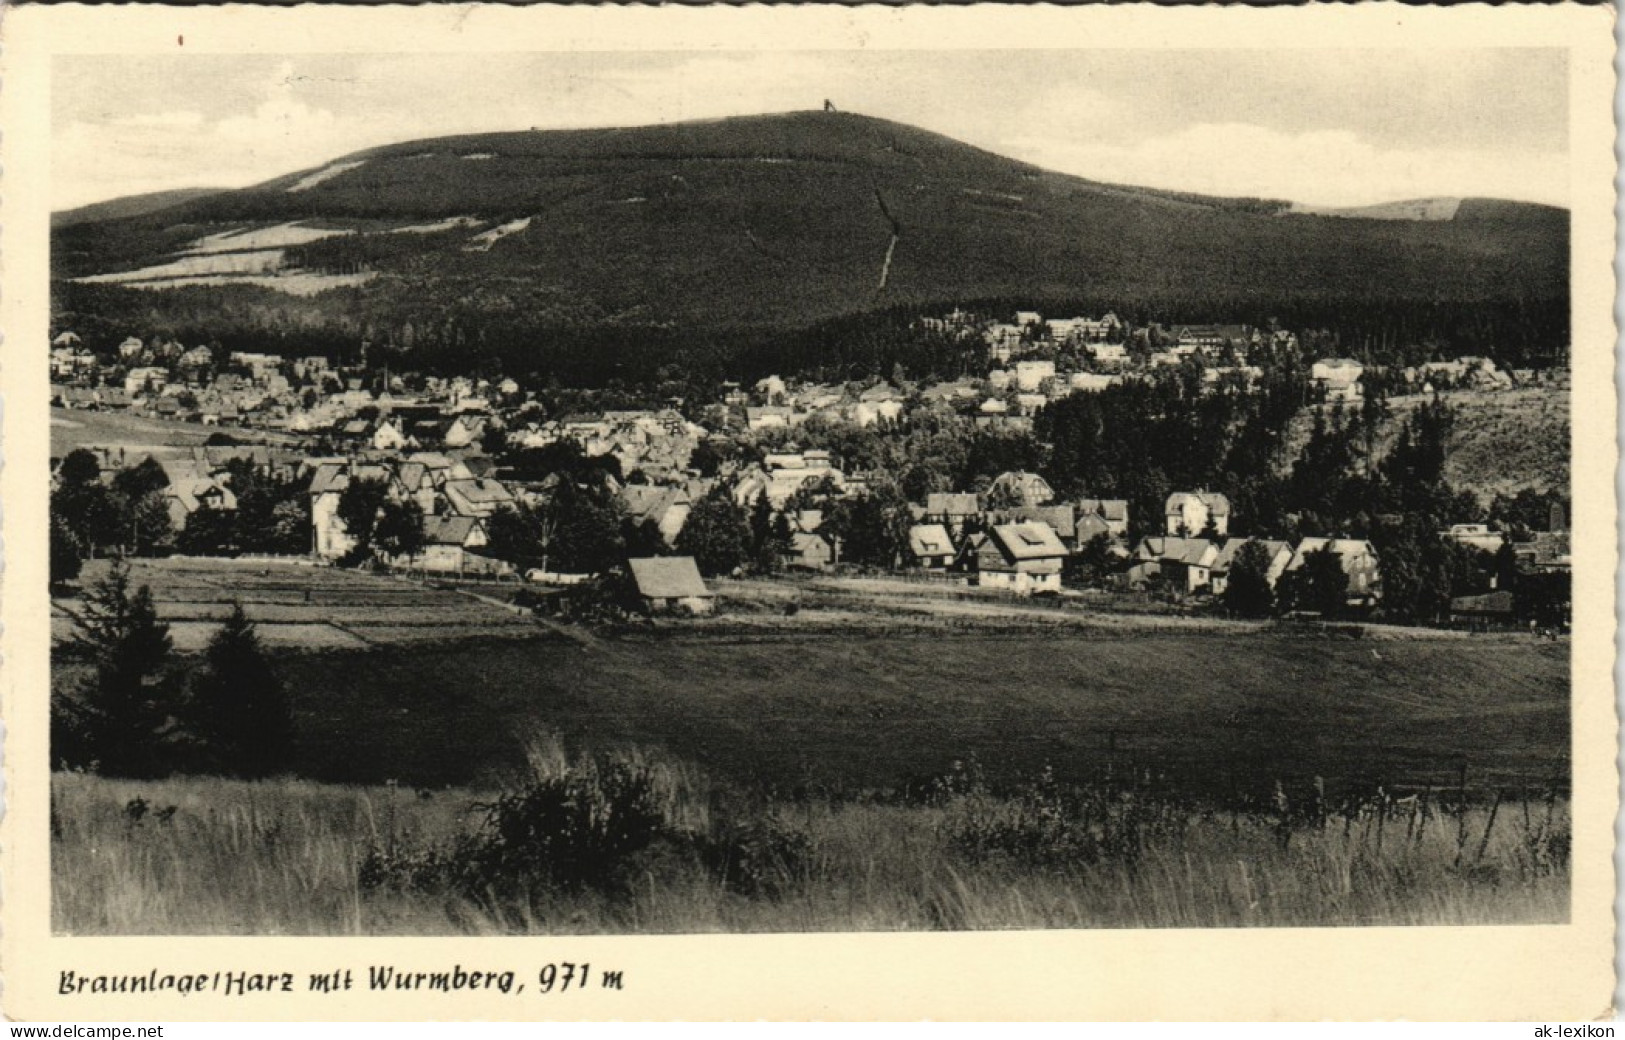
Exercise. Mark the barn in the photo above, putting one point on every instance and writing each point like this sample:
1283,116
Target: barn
670,583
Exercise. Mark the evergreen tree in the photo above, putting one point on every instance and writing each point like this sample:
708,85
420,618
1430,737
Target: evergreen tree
767,548
586,529
1320,584
208,532
1248,592
400,529
66,554
1090,565
144,478
122,721
238,708
79,466
358,509
151,532
715,534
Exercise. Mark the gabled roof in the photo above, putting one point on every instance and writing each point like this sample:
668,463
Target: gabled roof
1113,509
1061,518
189,492
1029,488
803,542
1216,503
478,491
952,503
648,502
449,530
930,540
1349,551
1030,540
1089,527
668,577
1227,553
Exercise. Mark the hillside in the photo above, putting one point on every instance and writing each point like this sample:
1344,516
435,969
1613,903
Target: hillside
127,206
1502,442
765,222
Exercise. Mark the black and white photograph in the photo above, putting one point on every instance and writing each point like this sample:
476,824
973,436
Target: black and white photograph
588,492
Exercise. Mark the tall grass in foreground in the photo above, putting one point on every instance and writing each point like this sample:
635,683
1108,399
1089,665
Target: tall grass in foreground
633,844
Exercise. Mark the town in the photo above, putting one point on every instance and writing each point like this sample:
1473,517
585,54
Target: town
934,479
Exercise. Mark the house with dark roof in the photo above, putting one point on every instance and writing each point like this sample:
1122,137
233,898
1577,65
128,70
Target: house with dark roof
447,541
667,508
1184,564
475,497
931,547
670,583
1022,557
1113,511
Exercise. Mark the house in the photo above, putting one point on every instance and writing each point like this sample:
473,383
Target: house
952,508
1489,608
1339,378
1029,404
1359,560
1475,536
475,496
1019,488
1280,554
1091,382
142,380
771,389
1108,353
1061,518
1025,319
447,541
769,417
1189,513
465,430
809,551
1185,564
671,583
1547,552
868,413
667,508
1022,557
130,348
1088,527
1030,375
1114,511
930,546
187,496
389,436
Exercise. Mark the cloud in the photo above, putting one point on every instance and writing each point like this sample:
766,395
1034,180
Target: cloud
1322,167
95,159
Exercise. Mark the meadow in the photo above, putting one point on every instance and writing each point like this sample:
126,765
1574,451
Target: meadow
885,756
210,856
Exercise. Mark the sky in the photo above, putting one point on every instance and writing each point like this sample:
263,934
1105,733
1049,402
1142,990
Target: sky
1327,128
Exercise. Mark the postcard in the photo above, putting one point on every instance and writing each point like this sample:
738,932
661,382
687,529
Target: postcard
808,513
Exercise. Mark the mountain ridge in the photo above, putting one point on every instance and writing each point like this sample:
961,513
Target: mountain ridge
773,221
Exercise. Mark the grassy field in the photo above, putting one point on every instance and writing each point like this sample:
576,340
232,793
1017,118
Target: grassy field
1222,714
867,689
74,428
206,856
303,607
826,735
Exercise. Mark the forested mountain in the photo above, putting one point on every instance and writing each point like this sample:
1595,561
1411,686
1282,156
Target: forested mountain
697,243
